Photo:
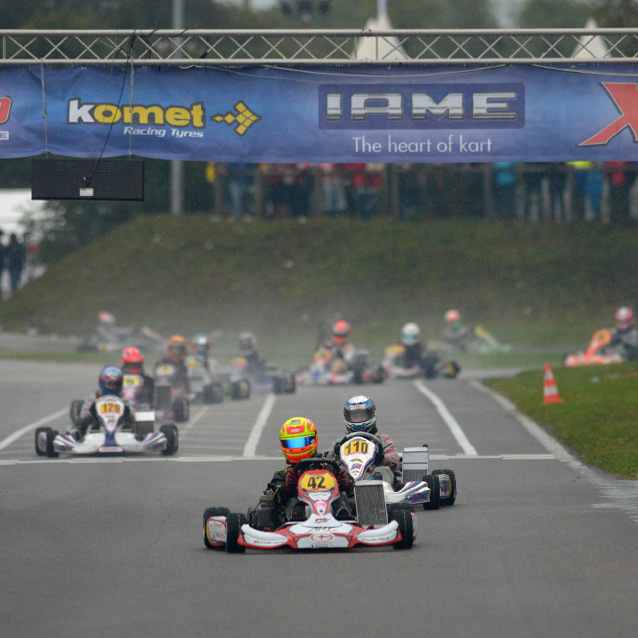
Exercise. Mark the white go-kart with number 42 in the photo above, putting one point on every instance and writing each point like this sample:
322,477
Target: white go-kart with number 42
374,524
110,435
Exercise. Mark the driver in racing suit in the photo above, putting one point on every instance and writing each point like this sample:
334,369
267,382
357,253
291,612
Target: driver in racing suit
175,356
133,363
255,365
360,415
109,382
342,351
298,439
624,339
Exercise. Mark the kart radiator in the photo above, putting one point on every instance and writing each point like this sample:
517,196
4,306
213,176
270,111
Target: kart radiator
416,461
163,397
370,502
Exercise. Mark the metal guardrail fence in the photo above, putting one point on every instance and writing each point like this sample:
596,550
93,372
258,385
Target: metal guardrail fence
170,47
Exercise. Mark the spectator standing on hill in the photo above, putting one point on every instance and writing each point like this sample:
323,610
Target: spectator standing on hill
505,190
15,256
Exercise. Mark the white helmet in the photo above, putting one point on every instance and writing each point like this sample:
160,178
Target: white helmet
410,334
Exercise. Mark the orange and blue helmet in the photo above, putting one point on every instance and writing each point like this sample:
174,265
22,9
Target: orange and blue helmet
298,438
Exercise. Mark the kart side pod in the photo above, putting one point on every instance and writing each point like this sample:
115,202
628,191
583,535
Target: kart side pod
416,461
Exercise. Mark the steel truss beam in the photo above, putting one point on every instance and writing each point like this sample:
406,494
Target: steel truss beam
169,47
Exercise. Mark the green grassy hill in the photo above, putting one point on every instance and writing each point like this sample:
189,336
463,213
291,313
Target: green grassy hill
532,285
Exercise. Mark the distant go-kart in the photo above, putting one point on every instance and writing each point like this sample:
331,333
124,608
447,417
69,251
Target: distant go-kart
109,436
595,353
326,370
268,378
171,402
204,385
429,365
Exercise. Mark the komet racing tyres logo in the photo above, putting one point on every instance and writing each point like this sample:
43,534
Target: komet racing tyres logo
625,97
426,106
184,121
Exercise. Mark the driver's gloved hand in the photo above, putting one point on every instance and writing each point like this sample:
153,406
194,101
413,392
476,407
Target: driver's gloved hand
343,480
292,480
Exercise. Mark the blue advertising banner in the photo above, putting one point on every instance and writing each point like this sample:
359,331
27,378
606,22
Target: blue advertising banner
328,114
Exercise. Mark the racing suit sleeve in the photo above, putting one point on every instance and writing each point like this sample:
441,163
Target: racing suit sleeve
277,485
390,453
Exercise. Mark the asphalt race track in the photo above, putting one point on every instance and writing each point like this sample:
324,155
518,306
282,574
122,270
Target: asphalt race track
536,544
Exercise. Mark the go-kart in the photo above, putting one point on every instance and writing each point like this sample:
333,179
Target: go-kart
132,391
109,435
204,386
171,401
267,377
429,365
359,452
326,370
474,339
373,525
595,353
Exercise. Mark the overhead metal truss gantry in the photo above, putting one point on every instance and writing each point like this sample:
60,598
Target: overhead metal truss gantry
169,47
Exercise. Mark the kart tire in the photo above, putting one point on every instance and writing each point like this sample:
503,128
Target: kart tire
278,385
213,393
403,516
291,386
449,501
51,434
233,529
41,440
213,511
434,484
180,409
358,376
74,411
171,433
240,389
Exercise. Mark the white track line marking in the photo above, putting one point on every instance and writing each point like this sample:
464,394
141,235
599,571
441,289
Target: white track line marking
192,422
227,459
32,426
450,421
608,486
255,434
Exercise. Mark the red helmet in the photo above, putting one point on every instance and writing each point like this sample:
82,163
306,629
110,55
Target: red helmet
452,315
132,360
340,332
624,318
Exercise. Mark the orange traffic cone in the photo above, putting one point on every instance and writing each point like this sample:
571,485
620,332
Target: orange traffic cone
550,391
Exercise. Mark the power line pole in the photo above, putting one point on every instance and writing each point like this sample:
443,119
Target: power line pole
177,166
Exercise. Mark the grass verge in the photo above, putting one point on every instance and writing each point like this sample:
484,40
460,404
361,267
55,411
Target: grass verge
597,420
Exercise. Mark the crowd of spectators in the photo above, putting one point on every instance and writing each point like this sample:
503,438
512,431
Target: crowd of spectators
562,192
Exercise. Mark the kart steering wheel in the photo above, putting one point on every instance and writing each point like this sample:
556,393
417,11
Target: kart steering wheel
365,435
317,464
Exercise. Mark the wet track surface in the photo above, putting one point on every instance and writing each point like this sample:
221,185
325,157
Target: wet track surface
536,545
